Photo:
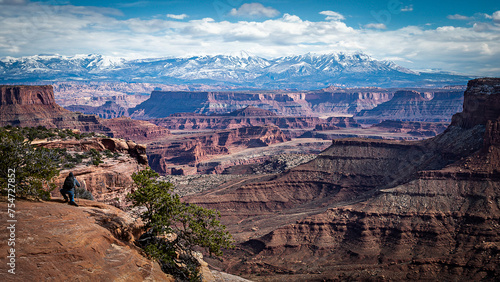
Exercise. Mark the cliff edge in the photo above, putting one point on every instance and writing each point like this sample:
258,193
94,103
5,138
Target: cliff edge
56,241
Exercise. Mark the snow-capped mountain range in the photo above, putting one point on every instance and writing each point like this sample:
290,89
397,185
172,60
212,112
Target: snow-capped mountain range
245,71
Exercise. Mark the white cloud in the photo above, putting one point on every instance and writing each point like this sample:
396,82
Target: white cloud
375,25
134,4
69,30
407,8
332,16
12,2
177,17
254,10
496,17
459,17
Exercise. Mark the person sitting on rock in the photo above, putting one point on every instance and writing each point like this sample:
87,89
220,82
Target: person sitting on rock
68,189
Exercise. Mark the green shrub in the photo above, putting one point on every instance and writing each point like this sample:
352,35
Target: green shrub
191,226
82,193
34,167
95,157
108,153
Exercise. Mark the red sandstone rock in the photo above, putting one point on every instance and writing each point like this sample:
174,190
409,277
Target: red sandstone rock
31,106
250,111
111,181
26,95
376,210
137,130
110,109
481,103
92,242
415,128
167,154
412,106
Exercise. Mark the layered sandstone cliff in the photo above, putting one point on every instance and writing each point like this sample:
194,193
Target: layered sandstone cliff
164,156
415,128
164,103
347,101
251,116
137,130
109,109
440,103
415,106
376,210
32,106
313,103
481,103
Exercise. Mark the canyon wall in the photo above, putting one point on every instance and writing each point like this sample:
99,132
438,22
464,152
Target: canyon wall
438,103
26,95
162,104
32,106
377,210
108,110
167,155
481,103
251,116
349,101
415,128
415,106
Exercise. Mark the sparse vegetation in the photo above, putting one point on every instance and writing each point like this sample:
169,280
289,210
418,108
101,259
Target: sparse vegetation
174,229
95,157
40,132
34,167
83,193
108,153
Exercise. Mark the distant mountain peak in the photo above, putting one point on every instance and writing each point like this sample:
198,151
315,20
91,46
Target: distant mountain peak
306,71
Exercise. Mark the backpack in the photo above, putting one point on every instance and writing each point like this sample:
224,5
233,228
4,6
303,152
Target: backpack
69,183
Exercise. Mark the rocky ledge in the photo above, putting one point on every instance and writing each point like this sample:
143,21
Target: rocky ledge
87,243
110,181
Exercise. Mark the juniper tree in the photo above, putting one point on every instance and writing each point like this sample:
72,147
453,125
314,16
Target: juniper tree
34,167
175,229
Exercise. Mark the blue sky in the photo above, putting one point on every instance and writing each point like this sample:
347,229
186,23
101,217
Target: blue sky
456,36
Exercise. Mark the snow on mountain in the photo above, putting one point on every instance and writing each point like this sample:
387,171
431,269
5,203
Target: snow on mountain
243,69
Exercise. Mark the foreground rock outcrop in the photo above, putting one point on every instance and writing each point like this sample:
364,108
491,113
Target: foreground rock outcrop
110,181
375,210
93,242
